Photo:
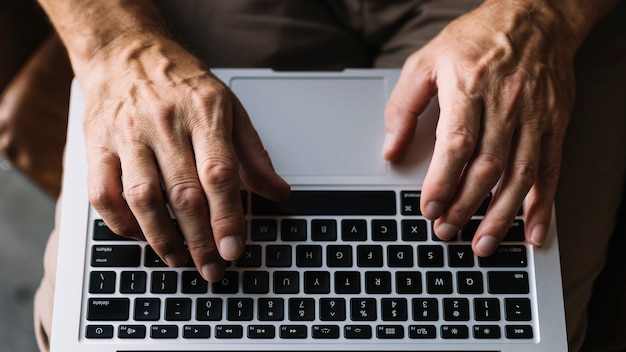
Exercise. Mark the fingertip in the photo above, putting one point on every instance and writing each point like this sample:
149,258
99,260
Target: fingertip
230,248
212,271
537,235
485,246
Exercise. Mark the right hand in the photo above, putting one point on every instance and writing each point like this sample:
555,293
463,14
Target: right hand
157,120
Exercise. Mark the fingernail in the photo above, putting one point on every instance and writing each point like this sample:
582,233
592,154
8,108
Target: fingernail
538,235
212,271
486,245
230,248
176,259
446,231
433,210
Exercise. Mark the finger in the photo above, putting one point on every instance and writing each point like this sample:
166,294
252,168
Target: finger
407,101
256,168
513,187
143,192
105,192
456,139
217,167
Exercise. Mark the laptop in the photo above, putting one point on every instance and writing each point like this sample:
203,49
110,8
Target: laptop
346,263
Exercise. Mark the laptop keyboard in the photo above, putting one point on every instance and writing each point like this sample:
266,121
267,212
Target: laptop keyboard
324,265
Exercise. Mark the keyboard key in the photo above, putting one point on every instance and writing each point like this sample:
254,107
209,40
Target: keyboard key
256,282
293,230
131,332
347,282
309,256
339,256
390,331
133,282
240,309
193,282
508,282
101,232
469,230
293,332
363,309
384,230
115,256
196,331
408,282
178,309
147,309
394,309
425,309
152,260
506,256
369,256
102,282
228,284
209,309
286,282
108,309
278,256
486,309
454,332
516,232
519,332
357,332
301,309
422,331
271,309
430,256
263,230
332,309
486,332
469,282
410,203
517,309
354,230
400,256
378,282
164,331
261,331
251,257
164,282
316,282
456,309
439,282
460,256
414,230
228,331
325,331
99,331
324,230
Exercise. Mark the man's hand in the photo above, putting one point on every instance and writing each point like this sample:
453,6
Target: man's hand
160,129
504,78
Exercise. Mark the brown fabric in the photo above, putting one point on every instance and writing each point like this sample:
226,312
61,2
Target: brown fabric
33,115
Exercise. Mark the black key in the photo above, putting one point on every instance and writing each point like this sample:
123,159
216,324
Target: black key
339,256
102,282
517,309
240,309
357,332
332,309
506,256
152,260
115,256
131,332
301,309
430,256
469,282
293,332
263,230
251,257
456,309
482,210
316,282
256,282
378,282
469,230
347,282
325,331
390,331
454,332
244,201
486,331
410,203
324,230
519,332
384,230
408,282
363,309
261,331
328,203
193,282
308,256
460,256
209,309
394,309
369,256
164,282
99,331
508,282
354,230
400,256
516,232
293,230
164,331
102,232
228,331
286,282
414,230
425,309
196,331
228,284
278,256
178,309
108,309
133,282
422,331
439,282
271,309
147,309
486,309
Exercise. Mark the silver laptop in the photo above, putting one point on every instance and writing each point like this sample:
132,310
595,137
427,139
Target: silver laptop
346,263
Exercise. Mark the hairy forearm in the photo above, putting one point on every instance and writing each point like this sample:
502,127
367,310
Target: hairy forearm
88,27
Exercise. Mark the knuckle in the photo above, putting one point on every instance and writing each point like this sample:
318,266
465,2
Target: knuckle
186,196
525,171
201,246
489,166
227,223
100,198
217,171
459,140
143,194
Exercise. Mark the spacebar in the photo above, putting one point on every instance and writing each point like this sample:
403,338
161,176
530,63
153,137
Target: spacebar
328,203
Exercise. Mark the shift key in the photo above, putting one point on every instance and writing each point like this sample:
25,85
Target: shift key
115,256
